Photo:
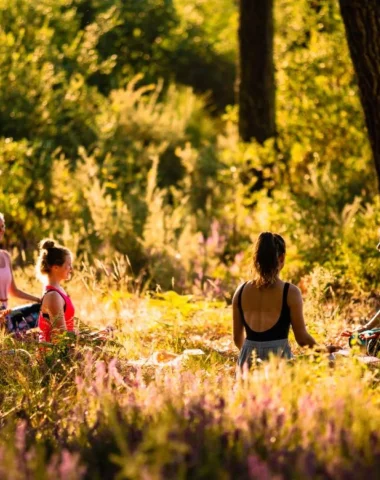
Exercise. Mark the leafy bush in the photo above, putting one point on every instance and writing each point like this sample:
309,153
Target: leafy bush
100,151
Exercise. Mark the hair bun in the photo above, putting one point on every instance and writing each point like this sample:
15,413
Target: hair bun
47,243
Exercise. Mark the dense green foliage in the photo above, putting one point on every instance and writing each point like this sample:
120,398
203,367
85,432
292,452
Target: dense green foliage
118,136
115,137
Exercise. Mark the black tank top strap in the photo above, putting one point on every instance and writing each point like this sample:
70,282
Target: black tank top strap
285,306
240,305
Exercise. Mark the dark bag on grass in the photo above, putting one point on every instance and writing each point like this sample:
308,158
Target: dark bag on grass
23,318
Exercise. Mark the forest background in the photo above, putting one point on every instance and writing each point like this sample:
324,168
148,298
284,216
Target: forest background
119,136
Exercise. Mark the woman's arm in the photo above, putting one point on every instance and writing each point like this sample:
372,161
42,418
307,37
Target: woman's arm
16,292
238,327
295,303
54,305
373,323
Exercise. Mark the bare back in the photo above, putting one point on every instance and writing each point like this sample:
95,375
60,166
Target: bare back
267,313
262,307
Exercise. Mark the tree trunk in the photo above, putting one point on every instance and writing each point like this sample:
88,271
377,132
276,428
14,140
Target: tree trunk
256,84
362,21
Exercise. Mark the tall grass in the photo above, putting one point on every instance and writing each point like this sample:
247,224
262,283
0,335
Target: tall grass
122,408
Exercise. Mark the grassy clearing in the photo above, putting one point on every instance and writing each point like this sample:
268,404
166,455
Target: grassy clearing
98,413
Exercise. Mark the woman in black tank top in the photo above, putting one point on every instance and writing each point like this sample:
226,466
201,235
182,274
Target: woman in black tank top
265,307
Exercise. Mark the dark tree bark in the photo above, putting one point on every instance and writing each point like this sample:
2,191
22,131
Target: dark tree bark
362,21
256,84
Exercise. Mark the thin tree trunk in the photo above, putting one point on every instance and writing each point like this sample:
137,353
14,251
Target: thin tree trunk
362,21
256,84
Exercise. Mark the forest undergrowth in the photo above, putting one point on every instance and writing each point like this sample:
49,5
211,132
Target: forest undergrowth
157,395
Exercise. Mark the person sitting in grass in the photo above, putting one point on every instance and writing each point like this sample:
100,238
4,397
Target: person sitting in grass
373,323
54,265
265,307
7,281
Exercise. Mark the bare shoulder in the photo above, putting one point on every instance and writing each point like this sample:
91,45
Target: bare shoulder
294,294
53,299
236,294
7,254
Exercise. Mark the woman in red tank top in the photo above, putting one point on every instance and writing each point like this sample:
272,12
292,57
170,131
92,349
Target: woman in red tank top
57,310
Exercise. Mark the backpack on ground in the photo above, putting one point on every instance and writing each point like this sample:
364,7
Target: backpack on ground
23,318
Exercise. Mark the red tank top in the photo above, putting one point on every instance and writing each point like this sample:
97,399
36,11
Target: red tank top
44,322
